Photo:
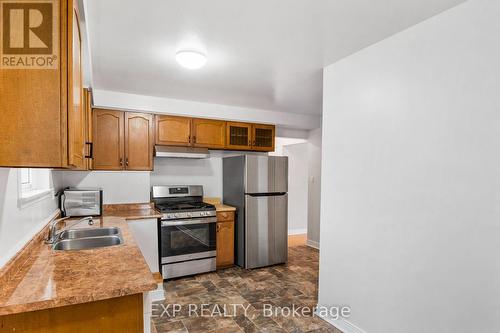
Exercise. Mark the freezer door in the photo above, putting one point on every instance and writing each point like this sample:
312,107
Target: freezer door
266,174
258,176
280,173
266,230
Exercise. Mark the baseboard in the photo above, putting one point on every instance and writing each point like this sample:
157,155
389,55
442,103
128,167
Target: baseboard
342,324
313,244
297,232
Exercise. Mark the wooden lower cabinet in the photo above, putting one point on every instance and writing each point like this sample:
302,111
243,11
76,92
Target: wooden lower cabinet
121,314
225,240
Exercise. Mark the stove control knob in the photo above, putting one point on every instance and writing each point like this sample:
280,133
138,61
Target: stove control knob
176,215
189,215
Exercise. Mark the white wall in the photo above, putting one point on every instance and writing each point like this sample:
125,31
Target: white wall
135,186
118,187
19,225
297,187
410,178
181,171
125,101
314,187
281,143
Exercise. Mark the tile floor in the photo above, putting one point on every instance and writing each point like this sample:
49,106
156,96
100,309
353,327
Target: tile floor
234,300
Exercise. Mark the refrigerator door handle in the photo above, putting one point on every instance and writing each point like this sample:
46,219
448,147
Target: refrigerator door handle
270,194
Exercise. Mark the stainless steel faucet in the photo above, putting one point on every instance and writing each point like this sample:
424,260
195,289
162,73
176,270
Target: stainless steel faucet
53,235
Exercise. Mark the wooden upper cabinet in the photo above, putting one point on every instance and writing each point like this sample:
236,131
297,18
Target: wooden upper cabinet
87,106
76,112
173,131
238,136
263,137
108,138
122,140
40,106
209,133
139,137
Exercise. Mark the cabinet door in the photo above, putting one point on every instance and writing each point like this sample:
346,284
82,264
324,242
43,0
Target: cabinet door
76,113
238,136
87,106
225,244
138,141
108,139
173,131
209,133
263,137
33,104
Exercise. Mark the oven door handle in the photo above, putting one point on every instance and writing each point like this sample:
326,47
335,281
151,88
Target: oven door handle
188,222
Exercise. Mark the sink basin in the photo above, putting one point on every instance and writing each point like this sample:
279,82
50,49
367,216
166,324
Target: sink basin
87,243
89,232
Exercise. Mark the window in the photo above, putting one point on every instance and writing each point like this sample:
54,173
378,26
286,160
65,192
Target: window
26,180
34,185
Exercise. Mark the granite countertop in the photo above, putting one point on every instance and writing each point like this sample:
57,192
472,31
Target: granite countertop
132,211
48,278
224,208
219,206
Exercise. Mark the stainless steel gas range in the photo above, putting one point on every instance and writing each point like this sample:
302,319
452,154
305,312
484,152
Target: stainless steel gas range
187,230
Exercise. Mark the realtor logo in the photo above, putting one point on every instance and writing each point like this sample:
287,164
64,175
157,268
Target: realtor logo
29,32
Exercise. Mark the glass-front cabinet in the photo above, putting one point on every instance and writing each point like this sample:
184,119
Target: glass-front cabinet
263,137
239,136
245,136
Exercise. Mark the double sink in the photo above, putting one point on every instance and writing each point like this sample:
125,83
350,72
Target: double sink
88,238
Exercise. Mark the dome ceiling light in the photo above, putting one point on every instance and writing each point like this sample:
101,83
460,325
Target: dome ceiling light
191,59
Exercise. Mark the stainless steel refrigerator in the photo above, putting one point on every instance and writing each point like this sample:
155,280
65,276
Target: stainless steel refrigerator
257,186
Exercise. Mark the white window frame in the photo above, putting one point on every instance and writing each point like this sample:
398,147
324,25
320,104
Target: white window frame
33,188
26,180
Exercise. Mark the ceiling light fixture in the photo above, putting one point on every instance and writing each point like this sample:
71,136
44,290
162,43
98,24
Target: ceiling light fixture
191,59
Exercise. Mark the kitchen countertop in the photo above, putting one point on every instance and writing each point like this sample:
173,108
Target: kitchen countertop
219,206
48,278
224,208
132,211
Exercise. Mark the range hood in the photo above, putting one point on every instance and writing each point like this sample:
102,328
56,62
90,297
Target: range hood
181,152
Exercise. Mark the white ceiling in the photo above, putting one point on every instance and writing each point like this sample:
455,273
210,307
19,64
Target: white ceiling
265,54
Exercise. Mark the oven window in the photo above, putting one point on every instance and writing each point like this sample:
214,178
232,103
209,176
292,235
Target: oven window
187,239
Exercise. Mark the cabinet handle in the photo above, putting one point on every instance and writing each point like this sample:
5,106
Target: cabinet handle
126,161
91,150
121,161
189,138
